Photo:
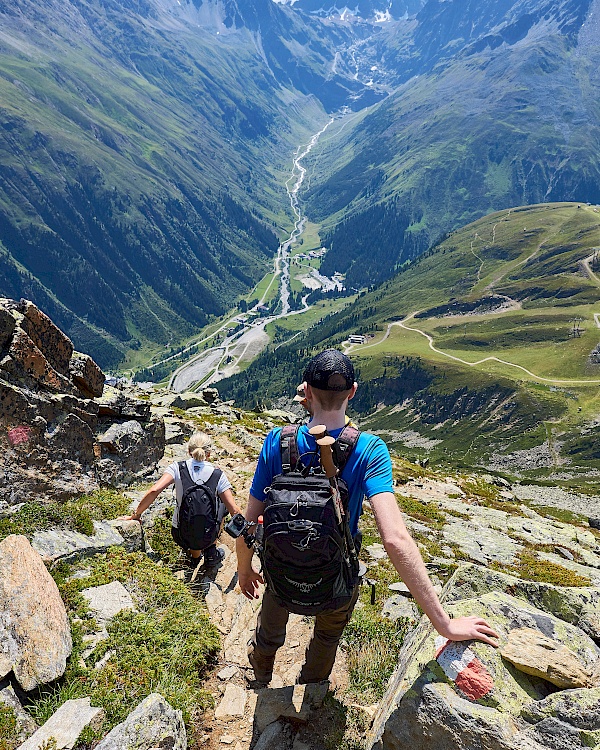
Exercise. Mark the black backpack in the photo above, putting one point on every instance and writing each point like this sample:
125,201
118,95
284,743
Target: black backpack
305,556
201,511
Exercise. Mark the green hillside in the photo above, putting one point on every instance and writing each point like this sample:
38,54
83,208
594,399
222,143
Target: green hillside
135,197
492,127
480,347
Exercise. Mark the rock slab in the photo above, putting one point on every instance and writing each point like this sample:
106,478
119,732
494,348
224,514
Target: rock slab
153,724
65,725
35,636
534,653
63,544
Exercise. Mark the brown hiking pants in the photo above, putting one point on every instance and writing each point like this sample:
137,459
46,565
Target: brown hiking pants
320,654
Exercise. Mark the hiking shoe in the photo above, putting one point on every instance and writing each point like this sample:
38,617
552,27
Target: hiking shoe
262,666
213,556
192,562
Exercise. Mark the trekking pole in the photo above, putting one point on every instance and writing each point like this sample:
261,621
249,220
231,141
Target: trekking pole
331,471
318,431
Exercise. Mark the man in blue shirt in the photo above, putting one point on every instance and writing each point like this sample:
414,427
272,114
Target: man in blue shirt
329,385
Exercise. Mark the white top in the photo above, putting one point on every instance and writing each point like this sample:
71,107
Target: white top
200,472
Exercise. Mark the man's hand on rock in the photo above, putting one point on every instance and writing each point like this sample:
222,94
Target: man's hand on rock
470,628
133,517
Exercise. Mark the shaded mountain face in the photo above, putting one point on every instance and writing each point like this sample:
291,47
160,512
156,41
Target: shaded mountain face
500,107
134,197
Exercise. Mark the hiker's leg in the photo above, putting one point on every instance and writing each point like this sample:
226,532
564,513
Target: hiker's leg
268,637
192,556
321,651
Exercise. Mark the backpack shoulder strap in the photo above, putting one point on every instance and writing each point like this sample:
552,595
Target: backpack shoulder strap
344,445
289,447
213,481
184,475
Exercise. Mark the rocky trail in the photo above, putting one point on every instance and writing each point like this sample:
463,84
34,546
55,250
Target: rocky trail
284,715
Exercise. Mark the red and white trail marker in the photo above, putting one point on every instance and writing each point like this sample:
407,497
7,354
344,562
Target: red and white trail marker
463,668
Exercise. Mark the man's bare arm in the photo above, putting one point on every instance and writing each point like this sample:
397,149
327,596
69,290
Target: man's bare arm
406,558
248,578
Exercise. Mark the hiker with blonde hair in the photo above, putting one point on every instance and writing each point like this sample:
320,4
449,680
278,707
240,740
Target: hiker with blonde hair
204,497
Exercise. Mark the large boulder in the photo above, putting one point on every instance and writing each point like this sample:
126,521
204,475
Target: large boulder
86,375
49,420
35,636
130,449
577,605
153,724
50,340
465,696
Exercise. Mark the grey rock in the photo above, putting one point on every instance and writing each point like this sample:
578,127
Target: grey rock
573,604
132,534
108,600
63,544
116,403
176,431
401,588
564,553
8,323
65,725
130,450
210,395
242,436
277,736
470,698
86,375
188,400
233,702
227,672
26,726
153,724
35,636
295,702
376,551
399,606
72,438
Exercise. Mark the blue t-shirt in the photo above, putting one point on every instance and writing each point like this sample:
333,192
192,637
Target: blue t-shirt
367,472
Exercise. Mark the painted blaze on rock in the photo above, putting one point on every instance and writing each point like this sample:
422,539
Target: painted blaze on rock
467,697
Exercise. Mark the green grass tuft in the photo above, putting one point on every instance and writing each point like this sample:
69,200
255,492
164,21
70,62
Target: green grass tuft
544,571
166,646
78,514
372,644
8,729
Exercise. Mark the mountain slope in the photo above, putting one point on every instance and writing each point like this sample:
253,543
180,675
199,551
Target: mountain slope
482,345
140,143
500,107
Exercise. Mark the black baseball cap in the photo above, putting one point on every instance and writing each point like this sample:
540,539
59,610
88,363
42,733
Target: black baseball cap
324,371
